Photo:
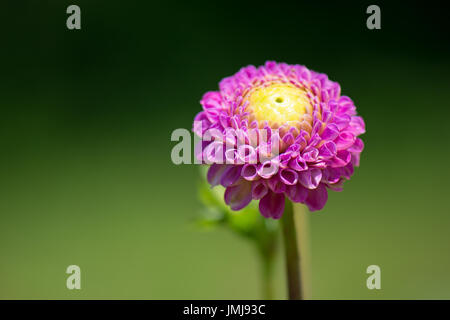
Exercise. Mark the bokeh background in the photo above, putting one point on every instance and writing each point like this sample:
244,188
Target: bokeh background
85,171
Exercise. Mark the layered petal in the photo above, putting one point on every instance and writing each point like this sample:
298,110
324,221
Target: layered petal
272,205
317,198
238,196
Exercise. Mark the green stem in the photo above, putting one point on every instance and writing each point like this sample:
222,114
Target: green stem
267,274
292,253
267,250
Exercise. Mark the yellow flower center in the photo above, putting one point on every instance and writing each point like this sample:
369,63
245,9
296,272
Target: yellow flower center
279,103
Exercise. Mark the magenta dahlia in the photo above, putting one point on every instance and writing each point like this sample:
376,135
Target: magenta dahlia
278,131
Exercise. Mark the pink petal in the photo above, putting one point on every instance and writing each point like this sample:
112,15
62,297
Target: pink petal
317,198
331,175
276,185
249,172
259,189
341,159
311,178
230,176
268,169
215,173
298,164
355,159
358,126
297,193
231,156
247,154
345,140
310,155
330,132
239,196
327,150
288,176
272,205
358,146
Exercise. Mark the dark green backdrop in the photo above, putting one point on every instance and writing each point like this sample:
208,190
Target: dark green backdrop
86,118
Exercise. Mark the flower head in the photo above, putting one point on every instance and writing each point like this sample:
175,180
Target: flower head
278,131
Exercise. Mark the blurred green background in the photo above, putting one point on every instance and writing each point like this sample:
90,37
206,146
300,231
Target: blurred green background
85,171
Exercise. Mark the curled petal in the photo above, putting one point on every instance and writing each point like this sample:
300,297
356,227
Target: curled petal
342,121
224,120
231,156
259,189
326,116
293,149
268,169
297,193
298,164
288,139
212,104
358,146
272,205
201,123
346,105
341,159
331,175
358,126
345,140
315,140
230,138
276,185
327,150
301,140
355,159
331,132
249,172
198,150
338,186
238,196
318,164
317,198
285,157
211,100
311,178
214,153
230,176
310,154
215,173
288,176
247,154
317,128
347,171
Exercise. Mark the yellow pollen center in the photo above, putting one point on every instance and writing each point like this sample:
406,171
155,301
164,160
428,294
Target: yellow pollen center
279,103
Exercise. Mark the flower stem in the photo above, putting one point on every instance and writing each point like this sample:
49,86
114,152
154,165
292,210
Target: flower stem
267,282
292,253
267,249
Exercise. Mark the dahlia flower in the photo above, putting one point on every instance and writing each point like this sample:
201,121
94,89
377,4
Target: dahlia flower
311,134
